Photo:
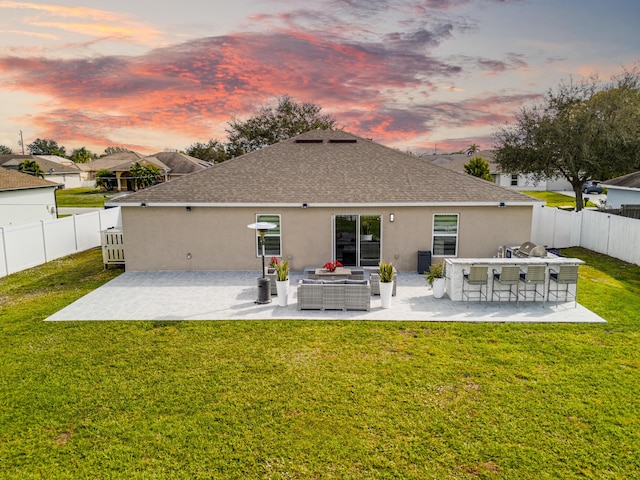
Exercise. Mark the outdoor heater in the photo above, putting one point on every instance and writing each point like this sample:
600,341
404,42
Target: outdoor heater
264,285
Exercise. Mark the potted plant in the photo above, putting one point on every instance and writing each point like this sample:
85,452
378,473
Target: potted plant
386,283
332,265
366,231
272,265
435,278
282,282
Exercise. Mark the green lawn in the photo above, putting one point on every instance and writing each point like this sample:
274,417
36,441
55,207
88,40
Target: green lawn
80,197
303,399
554,199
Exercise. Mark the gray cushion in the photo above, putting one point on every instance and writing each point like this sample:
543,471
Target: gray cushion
334,282
311,281
356,282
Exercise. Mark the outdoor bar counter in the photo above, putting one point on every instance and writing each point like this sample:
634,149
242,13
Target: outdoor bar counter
454,267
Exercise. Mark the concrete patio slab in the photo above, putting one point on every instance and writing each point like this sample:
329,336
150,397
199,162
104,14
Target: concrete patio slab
231,296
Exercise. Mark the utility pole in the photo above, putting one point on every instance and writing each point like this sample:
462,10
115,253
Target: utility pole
21,142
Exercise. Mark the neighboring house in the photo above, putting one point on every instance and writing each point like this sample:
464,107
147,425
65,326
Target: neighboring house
332,195
457,161
25,198
623,190
180,164
119,164
56,169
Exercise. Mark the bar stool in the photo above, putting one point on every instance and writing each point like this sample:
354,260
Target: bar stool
566,275
534,276
476,277
509,276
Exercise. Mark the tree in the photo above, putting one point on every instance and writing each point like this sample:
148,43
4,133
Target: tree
212,151
110,150
31,167
46,147
4,150
473,149
82,155
144,175
106,180
580,131
479,167
271,125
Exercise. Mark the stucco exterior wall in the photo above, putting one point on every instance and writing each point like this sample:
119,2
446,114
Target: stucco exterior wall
20,207
208,238
617,197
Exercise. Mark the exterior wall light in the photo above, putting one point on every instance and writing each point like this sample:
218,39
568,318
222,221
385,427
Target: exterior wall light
392,217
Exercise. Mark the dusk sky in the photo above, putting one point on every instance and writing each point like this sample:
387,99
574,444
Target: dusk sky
412,74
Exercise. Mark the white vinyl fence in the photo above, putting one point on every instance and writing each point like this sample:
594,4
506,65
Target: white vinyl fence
613,235
25,246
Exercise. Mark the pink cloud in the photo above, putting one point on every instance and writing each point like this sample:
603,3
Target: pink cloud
195,87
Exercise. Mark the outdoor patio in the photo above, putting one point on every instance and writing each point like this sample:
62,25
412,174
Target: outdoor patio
213,295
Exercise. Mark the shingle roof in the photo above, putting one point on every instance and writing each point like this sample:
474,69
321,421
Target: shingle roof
110,161
12,180
181,164
631,180
326,167
45,165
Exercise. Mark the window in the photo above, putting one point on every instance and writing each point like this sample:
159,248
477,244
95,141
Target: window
272,240
445,234
514,180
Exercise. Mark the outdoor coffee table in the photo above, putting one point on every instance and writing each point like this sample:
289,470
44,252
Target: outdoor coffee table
337,274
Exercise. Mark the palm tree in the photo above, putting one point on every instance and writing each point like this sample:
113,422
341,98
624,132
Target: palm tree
473,148
31,167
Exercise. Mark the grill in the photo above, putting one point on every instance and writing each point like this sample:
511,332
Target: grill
530,249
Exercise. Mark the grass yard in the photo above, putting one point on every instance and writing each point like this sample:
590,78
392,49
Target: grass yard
80,197
316,400
554,199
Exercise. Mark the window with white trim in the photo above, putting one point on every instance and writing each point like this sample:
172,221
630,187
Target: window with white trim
514,180
273,238
445,235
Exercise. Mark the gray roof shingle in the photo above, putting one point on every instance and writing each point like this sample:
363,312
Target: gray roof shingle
326,167
631,180
14,180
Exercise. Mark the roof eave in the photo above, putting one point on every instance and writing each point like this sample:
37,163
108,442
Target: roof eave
325,205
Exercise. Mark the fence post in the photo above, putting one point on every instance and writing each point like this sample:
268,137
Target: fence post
75,232
4,248
44,241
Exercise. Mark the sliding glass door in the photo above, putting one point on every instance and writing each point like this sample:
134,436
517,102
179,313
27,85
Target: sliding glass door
357,239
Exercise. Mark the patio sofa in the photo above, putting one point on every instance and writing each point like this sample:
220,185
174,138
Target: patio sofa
334,294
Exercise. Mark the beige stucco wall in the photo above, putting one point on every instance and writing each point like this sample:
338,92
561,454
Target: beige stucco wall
161,238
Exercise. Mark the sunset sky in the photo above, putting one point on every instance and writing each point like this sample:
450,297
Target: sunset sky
418,75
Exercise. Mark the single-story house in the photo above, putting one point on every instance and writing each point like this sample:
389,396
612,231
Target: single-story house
457,161
119,164
56,169
25,198
331,195
180,164
624,190
172,165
